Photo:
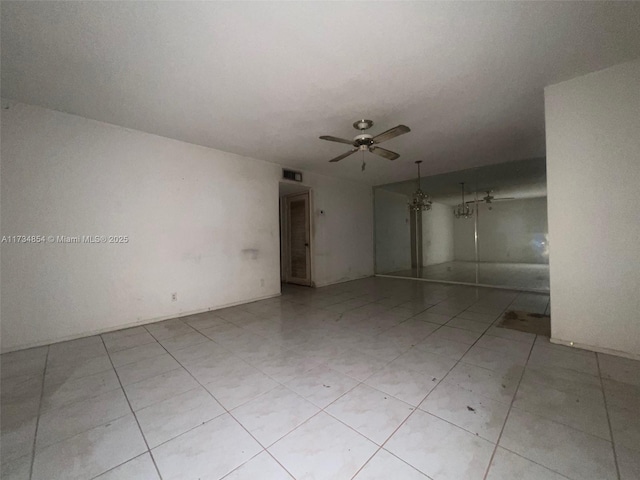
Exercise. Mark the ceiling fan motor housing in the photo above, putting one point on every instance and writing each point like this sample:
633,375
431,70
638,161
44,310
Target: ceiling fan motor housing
363,141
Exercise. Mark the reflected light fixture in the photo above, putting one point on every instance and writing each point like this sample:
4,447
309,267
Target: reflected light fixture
463,210
420,200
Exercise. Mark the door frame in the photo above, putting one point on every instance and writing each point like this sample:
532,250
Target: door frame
285,239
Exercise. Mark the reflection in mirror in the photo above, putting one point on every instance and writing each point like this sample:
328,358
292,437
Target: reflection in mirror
496,235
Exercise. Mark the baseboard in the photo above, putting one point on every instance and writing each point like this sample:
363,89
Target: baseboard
342,280
592,348
135,324
468,284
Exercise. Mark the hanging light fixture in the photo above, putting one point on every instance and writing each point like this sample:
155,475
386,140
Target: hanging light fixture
463,210
420,200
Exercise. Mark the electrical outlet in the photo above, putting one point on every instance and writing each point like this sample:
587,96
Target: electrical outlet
174,297
262,282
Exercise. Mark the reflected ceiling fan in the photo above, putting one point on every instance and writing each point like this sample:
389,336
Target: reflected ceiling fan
489,199
365,142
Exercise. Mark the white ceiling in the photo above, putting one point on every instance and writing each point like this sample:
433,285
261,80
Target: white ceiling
266,79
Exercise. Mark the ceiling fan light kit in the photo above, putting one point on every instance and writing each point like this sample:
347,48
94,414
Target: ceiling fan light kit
420,200
368,143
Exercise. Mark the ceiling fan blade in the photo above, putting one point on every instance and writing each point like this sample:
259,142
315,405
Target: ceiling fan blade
344,155
336,139
388,154
389,134
484,200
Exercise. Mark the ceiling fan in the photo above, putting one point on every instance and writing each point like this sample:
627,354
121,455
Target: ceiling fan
489,199
365,142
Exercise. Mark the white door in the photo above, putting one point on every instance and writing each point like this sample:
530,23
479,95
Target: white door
298,239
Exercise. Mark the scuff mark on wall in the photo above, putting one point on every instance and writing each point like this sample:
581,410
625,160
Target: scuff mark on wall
251,253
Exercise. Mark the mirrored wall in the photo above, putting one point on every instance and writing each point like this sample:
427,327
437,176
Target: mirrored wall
484,226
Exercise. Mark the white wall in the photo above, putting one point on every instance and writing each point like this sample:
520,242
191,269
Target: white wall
437,234
393,236
201,223
342,236
593,170
511,232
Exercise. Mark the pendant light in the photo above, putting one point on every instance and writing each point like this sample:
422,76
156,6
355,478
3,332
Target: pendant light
462,210
420,200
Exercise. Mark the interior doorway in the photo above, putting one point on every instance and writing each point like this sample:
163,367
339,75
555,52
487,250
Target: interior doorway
295,234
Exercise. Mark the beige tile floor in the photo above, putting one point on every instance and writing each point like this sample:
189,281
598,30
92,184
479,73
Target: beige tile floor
372,379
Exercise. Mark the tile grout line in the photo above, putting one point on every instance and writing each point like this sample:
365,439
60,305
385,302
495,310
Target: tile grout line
442,379
513,399
139,360
293,348
72,403
606,408
35,434
536,463
116,466
132,411
264,449
427,395
321,410
381,446
392,454
360,383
